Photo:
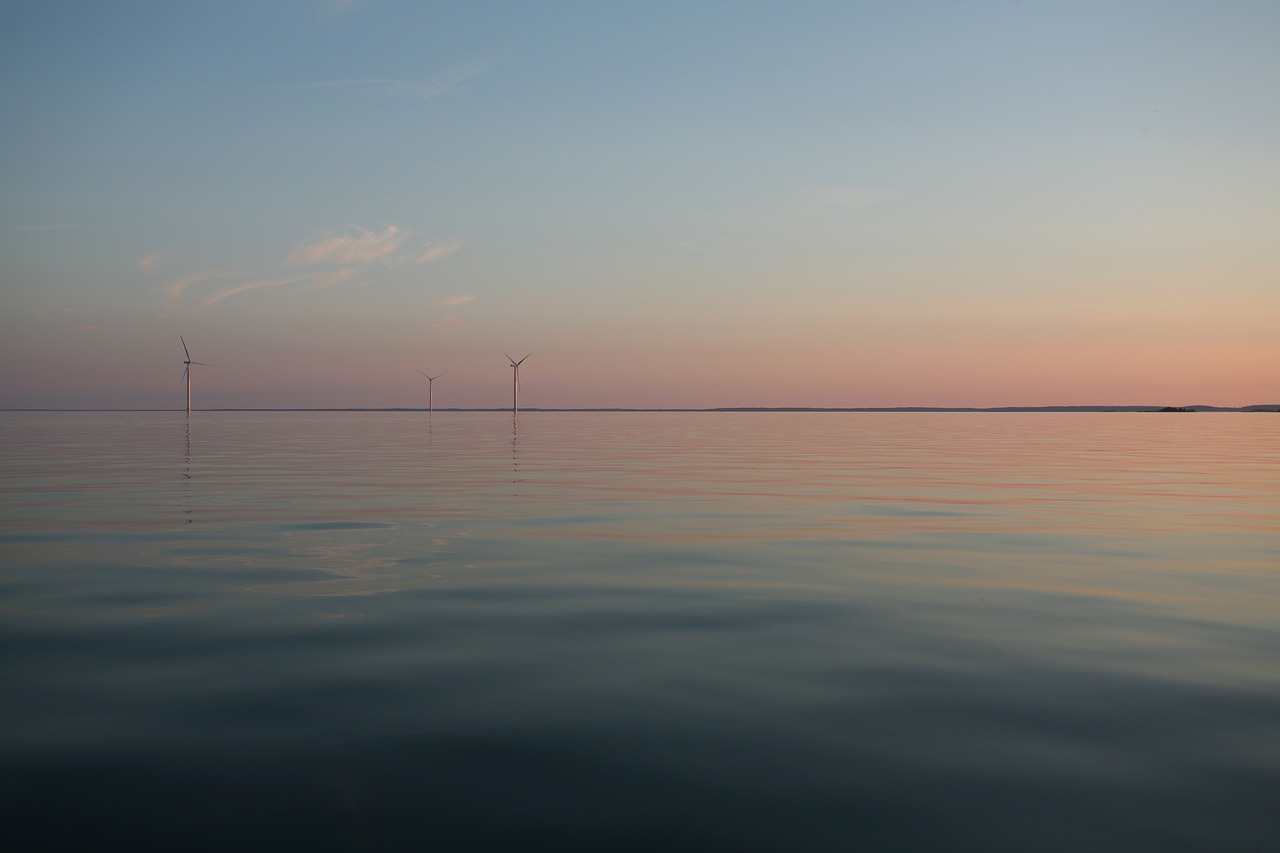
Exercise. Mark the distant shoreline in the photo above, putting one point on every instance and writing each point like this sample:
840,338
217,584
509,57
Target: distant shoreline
1269,407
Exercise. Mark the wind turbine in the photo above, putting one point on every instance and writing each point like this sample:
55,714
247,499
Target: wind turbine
515,381
430,405
186,373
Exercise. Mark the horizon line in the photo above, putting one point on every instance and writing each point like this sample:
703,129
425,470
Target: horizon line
1255,407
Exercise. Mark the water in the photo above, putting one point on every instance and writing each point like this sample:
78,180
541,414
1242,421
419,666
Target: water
389,631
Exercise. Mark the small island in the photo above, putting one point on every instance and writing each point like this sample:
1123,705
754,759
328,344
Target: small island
1176,409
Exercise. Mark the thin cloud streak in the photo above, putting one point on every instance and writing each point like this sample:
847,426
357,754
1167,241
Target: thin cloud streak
393,87
363,247
439,251
460,299
177,288
325,261
149,261
226,284
244,287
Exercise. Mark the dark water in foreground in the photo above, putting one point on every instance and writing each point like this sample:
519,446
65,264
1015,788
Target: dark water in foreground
379,631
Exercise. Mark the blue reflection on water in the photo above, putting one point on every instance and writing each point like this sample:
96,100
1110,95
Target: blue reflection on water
738,632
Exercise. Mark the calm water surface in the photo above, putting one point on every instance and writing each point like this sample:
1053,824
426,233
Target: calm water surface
389,631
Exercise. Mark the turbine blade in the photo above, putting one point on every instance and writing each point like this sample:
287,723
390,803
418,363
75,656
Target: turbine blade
204,363
512,360
185,371
184,347
424,374
521,361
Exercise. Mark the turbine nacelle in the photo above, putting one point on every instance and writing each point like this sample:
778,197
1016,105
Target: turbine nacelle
189,362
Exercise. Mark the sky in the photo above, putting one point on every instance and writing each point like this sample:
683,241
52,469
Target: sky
669,204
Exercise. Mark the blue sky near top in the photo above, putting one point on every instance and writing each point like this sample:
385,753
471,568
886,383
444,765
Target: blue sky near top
669,204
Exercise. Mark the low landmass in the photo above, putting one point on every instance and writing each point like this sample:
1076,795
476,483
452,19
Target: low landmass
1257,408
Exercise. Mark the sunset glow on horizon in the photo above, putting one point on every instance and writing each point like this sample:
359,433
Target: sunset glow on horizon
669,205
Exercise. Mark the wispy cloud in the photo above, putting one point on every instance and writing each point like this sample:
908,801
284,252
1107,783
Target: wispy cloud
178,287
460,299
235,289
361,247
435,251
327,260
394,87
149,261
202,289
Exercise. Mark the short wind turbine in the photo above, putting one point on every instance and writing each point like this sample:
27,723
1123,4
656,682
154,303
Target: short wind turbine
430,404
515,381
186,373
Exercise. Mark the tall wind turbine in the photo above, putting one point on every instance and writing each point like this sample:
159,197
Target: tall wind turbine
515,381
430,405
186,373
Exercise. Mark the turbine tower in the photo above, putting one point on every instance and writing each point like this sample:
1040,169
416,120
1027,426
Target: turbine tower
430,404
515,381
186,373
